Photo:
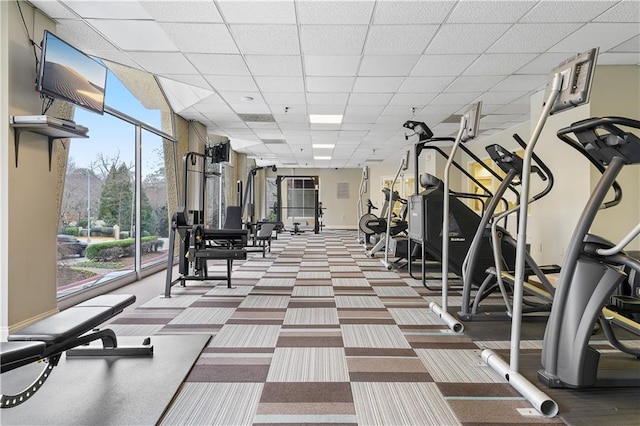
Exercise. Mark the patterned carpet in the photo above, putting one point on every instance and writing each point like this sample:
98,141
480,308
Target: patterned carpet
316,333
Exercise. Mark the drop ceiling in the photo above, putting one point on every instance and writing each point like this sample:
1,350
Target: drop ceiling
254,70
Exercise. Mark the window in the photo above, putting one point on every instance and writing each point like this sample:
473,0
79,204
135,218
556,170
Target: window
301,197
101,235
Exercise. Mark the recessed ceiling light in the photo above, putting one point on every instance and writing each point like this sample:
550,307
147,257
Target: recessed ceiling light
324,145
322,158
325,119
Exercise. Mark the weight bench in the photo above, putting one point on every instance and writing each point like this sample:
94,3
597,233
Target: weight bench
49,338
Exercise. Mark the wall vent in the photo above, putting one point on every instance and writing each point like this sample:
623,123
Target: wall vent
257,118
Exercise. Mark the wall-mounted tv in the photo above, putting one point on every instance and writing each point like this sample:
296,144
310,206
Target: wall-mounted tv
68,74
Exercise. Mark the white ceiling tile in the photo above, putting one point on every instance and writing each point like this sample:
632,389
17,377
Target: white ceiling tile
625,11
163,63
398,39
134,35
209,109
332,39
251,108
357,126
498,118
362,119
377,84
329,84
543,63
237,124
85,38
411,12
499,63
191,114
566,11
511,109
404,111
442,65
258,12
364,109
534,38
471,12
200,38
275,65
175,11
324,126
290,109
191,79
53,9
616,58
499,97
109,9
600,35
233,98
466,38
521,82
412,99
425,84
113,55
369,98
266,39
290,99
387,65
474,83
336,12
259,125
327,98
631,45
291,118
326,109
454,98
280,84
225,83
352,134
331,65
181,96
218,64
434,110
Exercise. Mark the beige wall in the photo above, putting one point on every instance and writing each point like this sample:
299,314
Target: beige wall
4,171
32,188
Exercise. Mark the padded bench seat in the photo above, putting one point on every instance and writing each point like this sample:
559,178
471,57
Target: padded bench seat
20,353
74,321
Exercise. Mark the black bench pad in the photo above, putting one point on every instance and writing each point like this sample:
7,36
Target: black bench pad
74,321
12,352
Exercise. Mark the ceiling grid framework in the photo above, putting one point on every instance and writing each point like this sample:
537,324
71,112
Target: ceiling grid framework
379,63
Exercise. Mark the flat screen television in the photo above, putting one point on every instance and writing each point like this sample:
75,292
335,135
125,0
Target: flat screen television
67,73
218,153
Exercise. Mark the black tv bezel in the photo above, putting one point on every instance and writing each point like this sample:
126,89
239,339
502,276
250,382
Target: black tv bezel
56,95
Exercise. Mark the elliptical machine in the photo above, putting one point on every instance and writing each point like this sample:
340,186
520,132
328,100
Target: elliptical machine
594,269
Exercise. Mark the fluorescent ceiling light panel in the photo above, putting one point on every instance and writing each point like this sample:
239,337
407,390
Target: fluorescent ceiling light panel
322,158
325,119
324,145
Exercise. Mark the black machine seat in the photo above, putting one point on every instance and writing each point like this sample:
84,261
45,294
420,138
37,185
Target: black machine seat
430,181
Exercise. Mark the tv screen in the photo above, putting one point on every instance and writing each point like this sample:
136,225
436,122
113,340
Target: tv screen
68,74
218,153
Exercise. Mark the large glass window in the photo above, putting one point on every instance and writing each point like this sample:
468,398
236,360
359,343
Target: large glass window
301,198
97,236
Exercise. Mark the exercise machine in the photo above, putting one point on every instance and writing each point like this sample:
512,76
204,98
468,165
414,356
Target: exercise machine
426,209
400,226
65,331
361,238
594,269
503,247
371,224
569,86
316,218
197,243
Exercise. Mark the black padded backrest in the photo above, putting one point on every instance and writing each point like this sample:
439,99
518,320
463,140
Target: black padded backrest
116,301
265,231
430,181
14,354
233,218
